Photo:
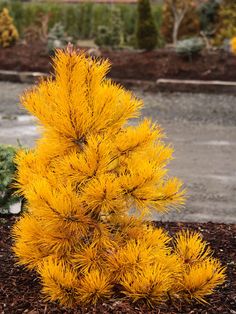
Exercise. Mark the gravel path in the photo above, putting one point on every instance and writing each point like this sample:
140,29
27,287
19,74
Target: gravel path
202,129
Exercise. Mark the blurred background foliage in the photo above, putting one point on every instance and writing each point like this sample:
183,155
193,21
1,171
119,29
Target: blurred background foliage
80,21
7,172
115,24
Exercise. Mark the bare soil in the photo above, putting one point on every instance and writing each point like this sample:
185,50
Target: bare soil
20,289
167,64
130,64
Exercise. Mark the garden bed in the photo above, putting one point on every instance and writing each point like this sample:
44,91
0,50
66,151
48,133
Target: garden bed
20,289
129,64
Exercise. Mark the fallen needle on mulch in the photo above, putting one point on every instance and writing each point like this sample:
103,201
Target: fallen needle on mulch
20,289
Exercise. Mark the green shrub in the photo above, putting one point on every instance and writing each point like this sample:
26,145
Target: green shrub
102,38
189,47
116,28
158,19
146,28
57,38
111,35
100,16
85,20
208,14
128,18
17,12
227,22
7,171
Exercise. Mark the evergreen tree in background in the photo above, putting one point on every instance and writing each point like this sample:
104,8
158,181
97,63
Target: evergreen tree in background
146,28
226,28
8,31
116,28
112,35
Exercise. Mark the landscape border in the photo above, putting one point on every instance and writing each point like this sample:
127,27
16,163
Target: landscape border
160,85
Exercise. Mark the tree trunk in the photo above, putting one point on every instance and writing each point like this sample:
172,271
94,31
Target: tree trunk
175,32
178,18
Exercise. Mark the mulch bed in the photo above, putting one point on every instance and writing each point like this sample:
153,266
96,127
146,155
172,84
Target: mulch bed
20,289
129,64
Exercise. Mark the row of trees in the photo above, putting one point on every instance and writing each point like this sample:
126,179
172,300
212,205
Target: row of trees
112,36
214,20
80,21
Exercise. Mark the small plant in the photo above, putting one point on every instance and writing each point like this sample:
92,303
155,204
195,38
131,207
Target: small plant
208,14
8,31
102,38
189,47
57,37
112,35
146,29
227,22
91,183
7,172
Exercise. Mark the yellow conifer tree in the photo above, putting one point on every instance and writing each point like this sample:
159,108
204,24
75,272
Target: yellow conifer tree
8,31
89,183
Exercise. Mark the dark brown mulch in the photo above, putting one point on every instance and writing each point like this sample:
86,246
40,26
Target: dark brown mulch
20,289
128,64
25,57
166,64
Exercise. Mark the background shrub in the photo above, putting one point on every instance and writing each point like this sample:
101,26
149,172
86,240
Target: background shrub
57,38
189,47
111,35
103,36
146,28
157,12
8,31
227,22
208,15
116,27
7,171
80,21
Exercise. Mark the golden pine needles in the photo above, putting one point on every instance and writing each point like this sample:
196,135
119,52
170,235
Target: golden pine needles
150,284
201,279
89,183
95,285
190,247
59,282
